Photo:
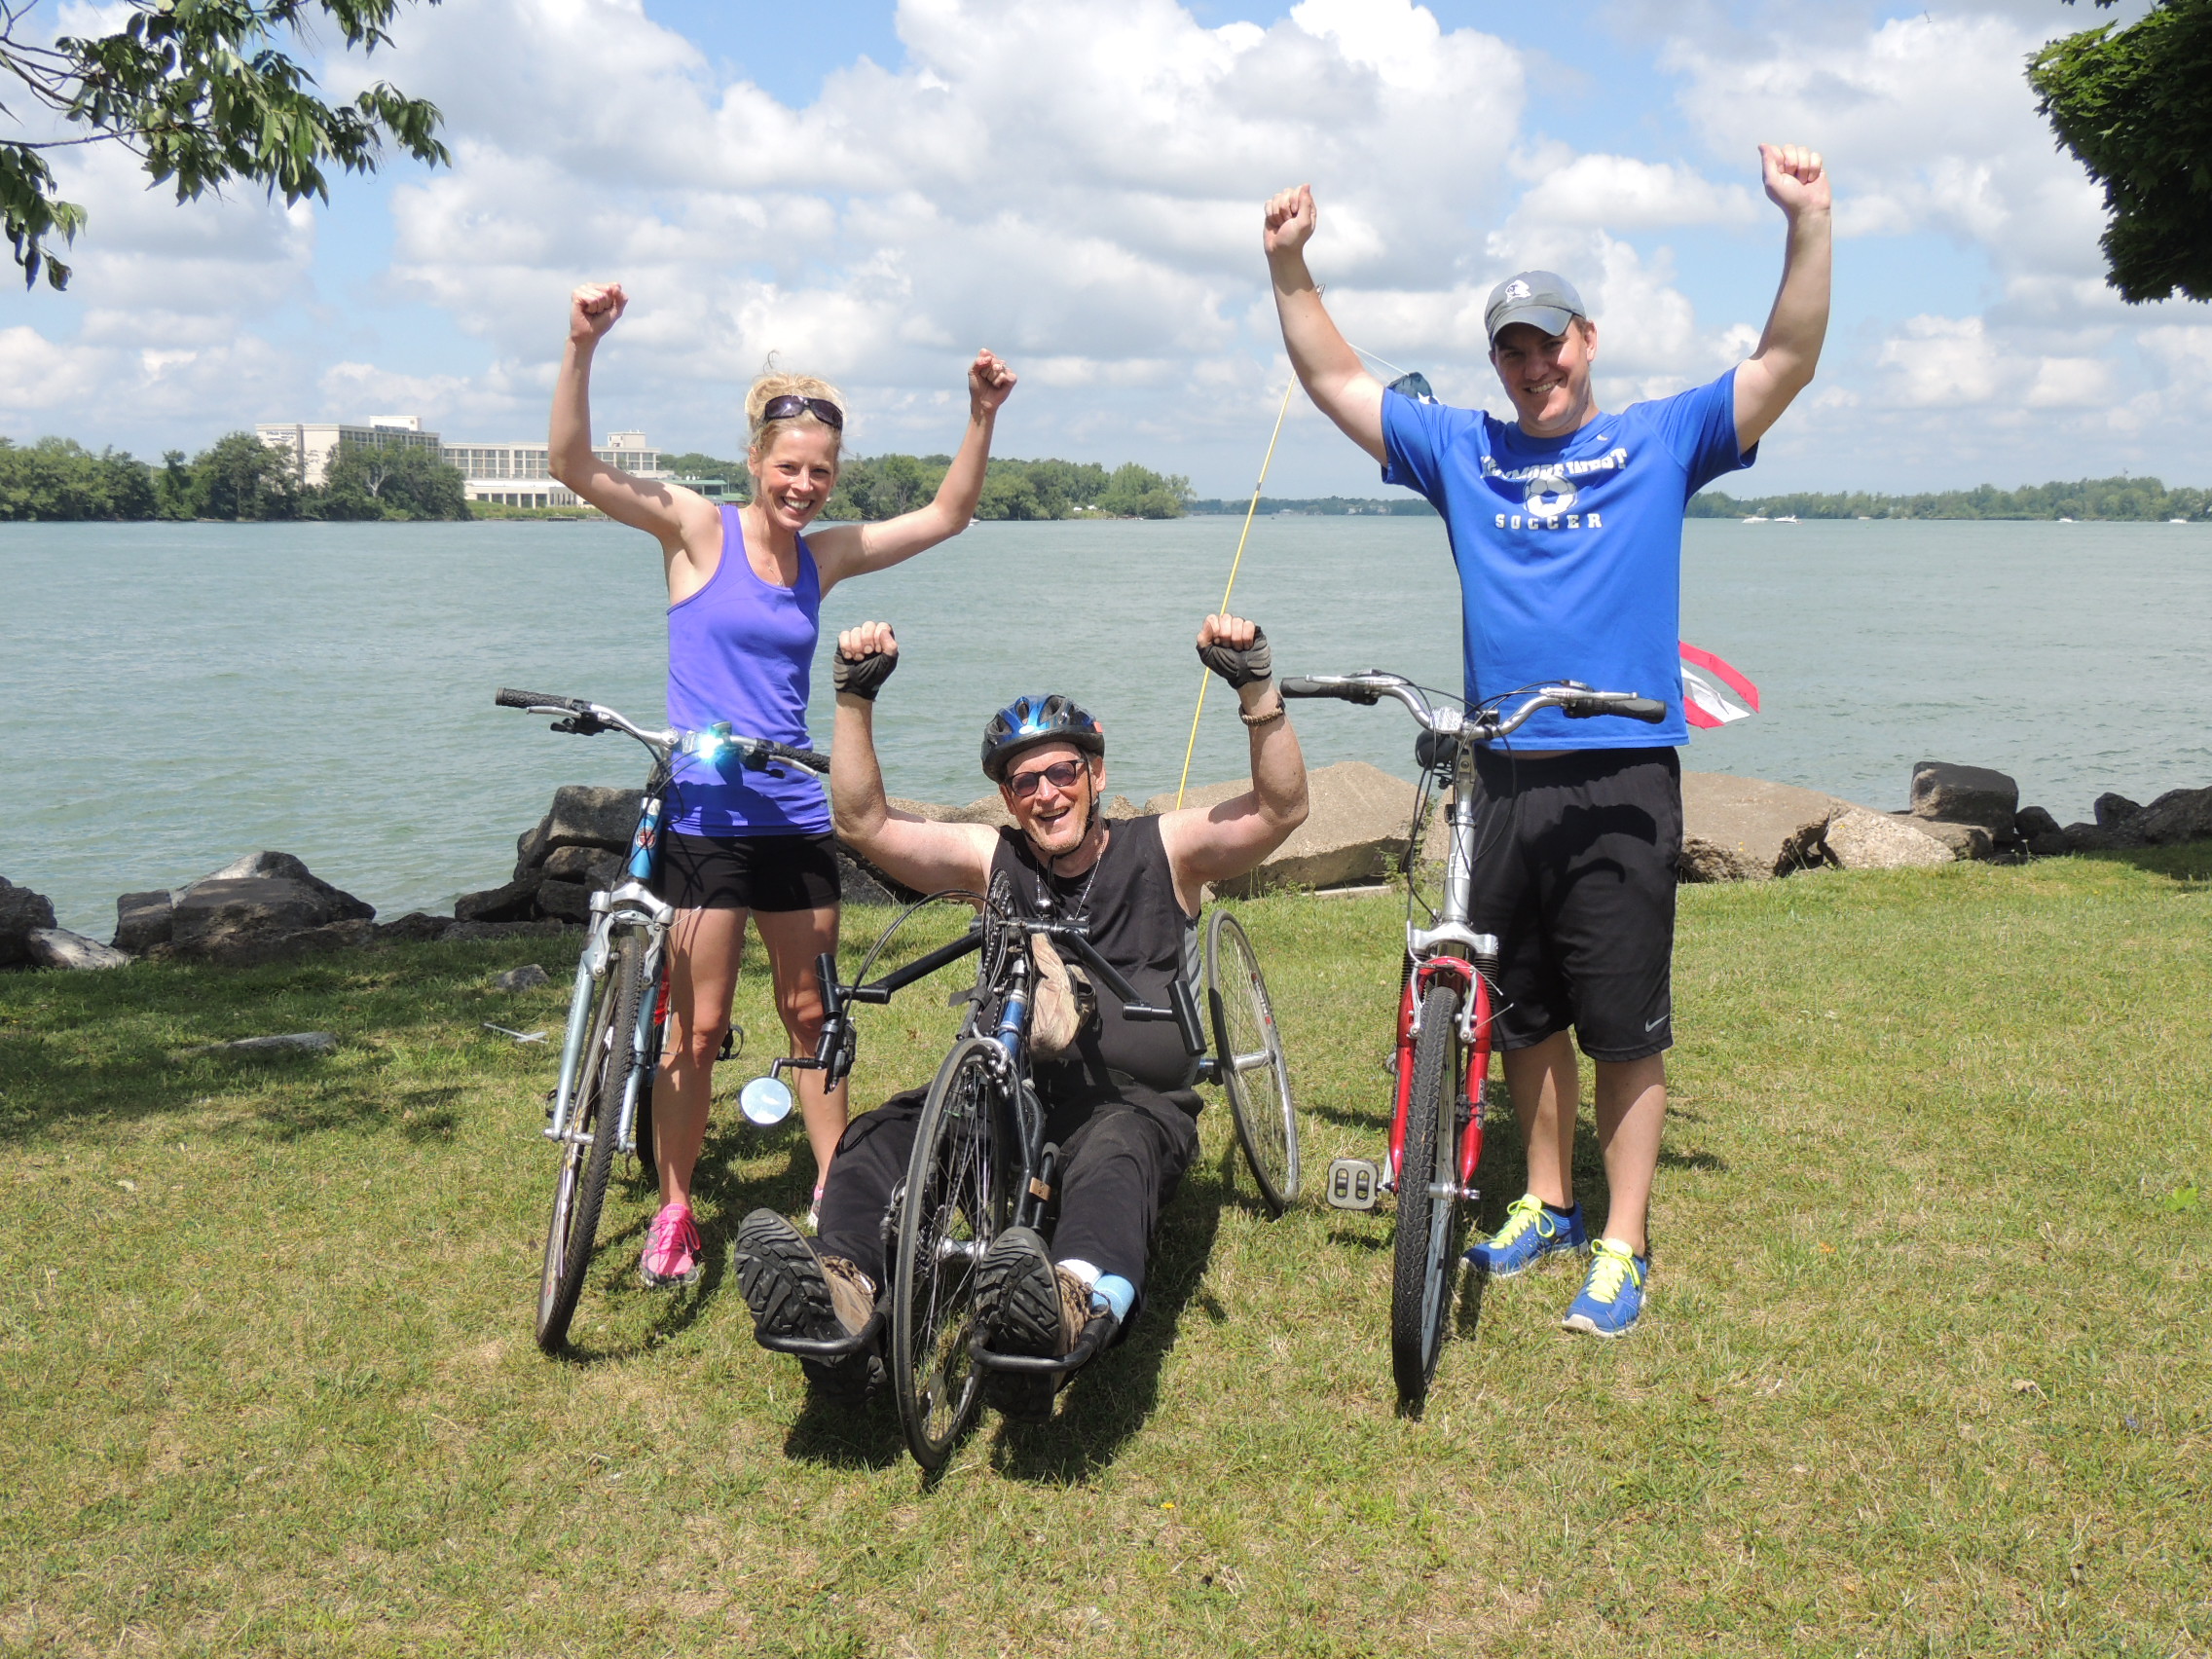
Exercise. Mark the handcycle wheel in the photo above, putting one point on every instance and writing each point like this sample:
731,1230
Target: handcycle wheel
580,1190
1430,1224
955,1206
1249,1062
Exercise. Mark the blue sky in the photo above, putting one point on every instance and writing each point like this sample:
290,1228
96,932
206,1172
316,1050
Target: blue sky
1076,182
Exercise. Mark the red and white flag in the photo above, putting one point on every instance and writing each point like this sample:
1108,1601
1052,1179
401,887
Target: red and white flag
1713,693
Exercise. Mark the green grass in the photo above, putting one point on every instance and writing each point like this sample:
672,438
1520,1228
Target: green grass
1925,1368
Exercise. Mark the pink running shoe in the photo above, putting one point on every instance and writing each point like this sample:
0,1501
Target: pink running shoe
672,1249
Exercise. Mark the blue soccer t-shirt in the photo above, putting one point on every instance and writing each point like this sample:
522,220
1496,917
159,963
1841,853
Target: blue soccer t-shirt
1571,550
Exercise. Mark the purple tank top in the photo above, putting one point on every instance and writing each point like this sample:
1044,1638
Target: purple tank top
740,649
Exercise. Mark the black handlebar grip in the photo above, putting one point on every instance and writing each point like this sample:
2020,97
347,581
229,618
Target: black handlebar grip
507,699
1298,686
1649,710
807,757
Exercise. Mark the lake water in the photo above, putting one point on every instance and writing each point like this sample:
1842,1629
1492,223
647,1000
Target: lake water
178,694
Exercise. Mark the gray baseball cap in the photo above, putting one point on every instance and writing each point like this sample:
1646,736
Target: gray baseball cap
1542,299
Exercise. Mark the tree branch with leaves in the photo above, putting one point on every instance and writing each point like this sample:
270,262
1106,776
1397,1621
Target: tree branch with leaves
2135,105
204,92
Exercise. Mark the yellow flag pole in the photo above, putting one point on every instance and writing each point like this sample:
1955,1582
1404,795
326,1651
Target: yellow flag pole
1190,748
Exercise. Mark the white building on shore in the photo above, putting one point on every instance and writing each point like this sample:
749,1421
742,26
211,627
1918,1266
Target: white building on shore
517,474
509,474
313,443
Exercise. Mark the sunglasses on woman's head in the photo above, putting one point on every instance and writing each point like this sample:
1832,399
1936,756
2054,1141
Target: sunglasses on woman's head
1061,774
788,407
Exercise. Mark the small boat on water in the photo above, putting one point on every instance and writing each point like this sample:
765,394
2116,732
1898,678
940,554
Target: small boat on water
1787,518
1756,518
2065,521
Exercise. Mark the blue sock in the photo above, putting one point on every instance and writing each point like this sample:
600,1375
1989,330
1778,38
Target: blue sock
1116,1292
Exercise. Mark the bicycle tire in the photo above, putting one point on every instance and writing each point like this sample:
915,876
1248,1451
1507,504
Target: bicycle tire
1248,1061
1426,1249
579,1192
955,1206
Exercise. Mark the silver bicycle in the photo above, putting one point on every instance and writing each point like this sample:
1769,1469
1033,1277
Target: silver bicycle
620,1007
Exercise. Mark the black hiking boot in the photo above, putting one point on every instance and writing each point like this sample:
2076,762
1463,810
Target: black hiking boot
1026,1306
795,1293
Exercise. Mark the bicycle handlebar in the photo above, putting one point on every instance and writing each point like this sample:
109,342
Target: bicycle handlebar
1486,725
590,719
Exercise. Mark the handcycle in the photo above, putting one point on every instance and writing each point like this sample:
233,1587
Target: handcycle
618,1009
1445,1008
980,1163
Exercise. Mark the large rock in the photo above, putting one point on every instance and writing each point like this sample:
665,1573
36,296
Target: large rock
2115,811
592,815
59,948
1966,794
516,902
283,866
142,920
596,868
543,927
563,901
1749,830
1966,840
1355,830
531,846
1859,840
2037,830
417,927
2178,814
233,918
989,811
22,911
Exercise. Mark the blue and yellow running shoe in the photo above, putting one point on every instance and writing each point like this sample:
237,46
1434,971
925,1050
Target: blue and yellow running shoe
1530,1233
1612,1292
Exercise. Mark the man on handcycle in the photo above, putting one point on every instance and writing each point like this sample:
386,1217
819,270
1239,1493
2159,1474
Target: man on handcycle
1118,1099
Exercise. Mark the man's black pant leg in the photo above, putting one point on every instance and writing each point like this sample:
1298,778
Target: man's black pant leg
1117,1168
872,1159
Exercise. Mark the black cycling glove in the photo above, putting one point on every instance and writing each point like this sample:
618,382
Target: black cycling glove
1240,668
864,678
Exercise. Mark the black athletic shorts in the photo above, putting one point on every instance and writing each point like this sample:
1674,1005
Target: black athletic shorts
749,873
1574,873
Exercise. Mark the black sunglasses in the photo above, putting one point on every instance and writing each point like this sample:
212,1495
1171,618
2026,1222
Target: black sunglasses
787,407
1061,774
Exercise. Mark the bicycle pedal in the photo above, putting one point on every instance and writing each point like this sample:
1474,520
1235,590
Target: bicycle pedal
1354,1184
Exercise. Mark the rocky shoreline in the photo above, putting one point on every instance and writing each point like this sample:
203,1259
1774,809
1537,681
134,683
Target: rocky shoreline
269,907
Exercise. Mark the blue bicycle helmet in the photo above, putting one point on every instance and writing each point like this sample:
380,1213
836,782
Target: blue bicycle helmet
1027,721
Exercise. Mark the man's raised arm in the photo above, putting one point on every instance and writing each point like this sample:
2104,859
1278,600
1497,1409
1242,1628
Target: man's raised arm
926,857
1327,366
1218,843
1791,347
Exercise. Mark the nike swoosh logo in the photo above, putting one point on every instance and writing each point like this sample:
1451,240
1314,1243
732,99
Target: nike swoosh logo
1654,1024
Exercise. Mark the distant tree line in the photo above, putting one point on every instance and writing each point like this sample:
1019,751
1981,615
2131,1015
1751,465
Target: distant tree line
238,477
884,486
1322,506
2133,499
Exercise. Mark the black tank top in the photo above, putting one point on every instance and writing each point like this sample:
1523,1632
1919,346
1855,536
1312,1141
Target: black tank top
1128,900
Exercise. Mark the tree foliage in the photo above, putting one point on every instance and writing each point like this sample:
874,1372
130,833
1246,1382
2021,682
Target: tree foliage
200,92
238,478
2135,105
884,486
2136,500
368,481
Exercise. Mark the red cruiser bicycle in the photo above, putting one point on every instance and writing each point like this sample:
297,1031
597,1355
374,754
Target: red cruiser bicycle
1442,1057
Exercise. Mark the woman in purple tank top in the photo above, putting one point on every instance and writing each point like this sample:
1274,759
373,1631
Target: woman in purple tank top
745,591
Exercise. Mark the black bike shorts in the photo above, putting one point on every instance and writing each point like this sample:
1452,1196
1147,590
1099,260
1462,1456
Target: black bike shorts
1575,861
749,873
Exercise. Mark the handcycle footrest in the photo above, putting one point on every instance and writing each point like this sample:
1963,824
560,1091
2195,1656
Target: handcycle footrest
830,1348
1095,1336
1354,1184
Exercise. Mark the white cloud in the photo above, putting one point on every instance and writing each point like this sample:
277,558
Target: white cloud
1076,183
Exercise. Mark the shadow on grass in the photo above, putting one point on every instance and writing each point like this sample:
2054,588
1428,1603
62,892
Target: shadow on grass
2189,862
1111,1398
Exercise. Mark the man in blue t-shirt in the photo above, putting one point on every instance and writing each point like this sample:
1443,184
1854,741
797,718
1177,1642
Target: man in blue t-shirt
1567,526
